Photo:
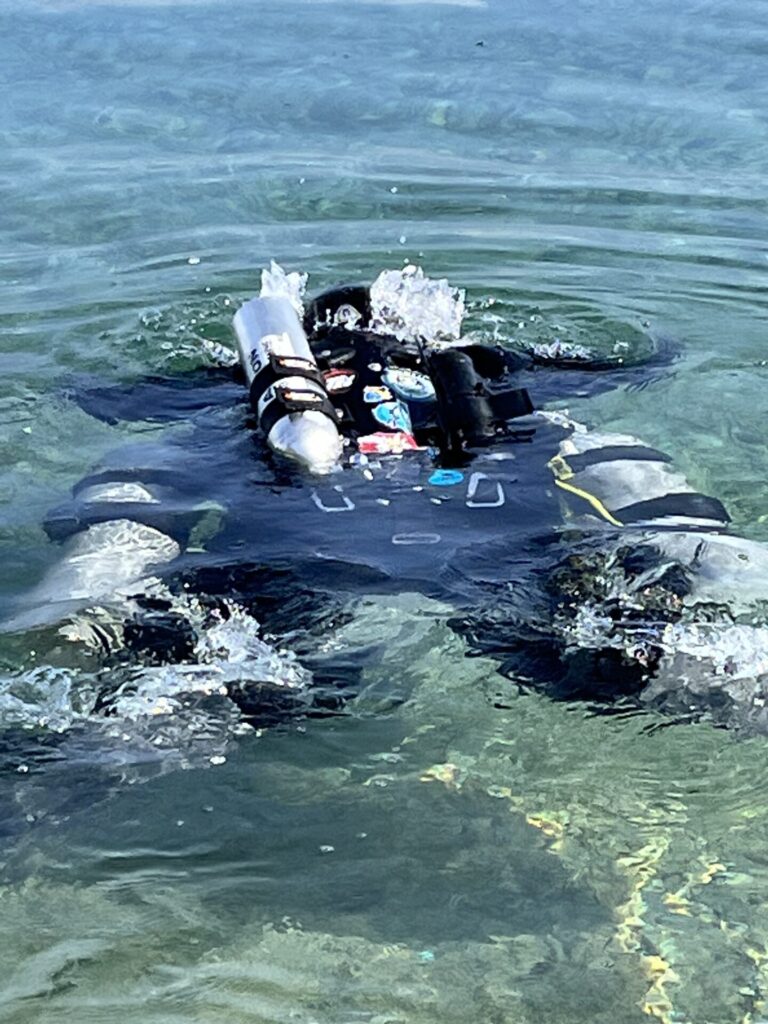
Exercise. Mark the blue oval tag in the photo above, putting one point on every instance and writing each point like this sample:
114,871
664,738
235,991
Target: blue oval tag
446,477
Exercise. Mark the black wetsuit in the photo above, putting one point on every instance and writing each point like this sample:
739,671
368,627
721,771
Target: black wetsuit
469,518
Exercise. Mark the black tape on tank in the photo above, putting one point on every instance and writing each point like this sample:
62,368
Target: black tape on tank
688,504
280,367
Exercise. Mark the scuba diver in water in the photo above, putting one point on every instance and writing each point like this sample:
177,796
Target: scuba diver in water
389,457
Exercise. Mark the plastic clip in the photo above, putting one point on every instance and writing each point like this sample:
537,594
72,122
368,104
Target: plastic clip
347,505
416,538
475,481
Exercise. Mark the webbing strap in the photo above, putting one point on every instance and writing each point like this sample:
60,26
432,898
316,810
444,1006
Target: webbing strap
616,453
291,400
280,367
687,503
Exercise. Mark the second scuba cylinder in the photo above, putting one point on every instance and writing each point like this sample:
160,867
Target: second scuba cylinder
287,389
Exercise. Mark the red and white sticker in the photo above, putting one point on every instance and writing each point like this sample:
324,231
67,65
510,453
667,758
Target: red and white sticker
382,443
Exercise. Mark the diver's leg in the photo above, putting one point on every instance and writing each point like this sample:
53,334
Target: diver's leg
126,520
645,597
100,564
129,518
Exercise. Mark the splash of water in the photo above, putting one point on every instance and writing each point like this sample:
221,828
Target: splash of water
182,711
45,697
228,652
736,651
700,660
276,283
185,336
407,304
404,303
553,351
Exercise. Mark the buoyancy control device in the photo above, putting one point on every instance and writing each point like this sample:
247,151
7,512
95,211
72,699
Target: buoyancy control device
449,397
457,395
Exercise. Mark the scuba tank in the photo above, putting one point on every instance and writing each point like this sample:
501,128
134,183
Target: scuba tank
287,390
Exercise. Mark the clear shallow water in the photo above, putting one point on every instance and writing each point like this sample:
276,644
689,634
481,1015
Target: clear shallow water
601,164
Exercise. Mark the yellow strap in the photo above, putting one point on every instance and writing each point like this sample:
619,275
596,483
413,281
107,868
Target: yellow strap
563,473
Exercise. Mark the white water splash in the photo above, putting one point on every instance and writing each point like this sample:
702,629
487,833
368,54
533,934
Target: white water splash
229,652
736,651
276,283
183,712
407,304
554,351
693,657
45,697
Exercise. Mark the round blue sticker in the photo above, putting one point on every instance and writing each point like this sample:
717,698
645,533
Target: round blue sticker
446,477
409,384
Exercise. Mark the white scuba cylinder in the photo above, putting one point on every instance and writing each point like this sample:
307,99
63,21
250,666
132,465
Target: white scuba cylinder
287,390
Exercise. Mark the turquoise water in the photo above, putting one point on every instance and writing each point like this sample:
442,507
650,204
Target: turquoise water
596,166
